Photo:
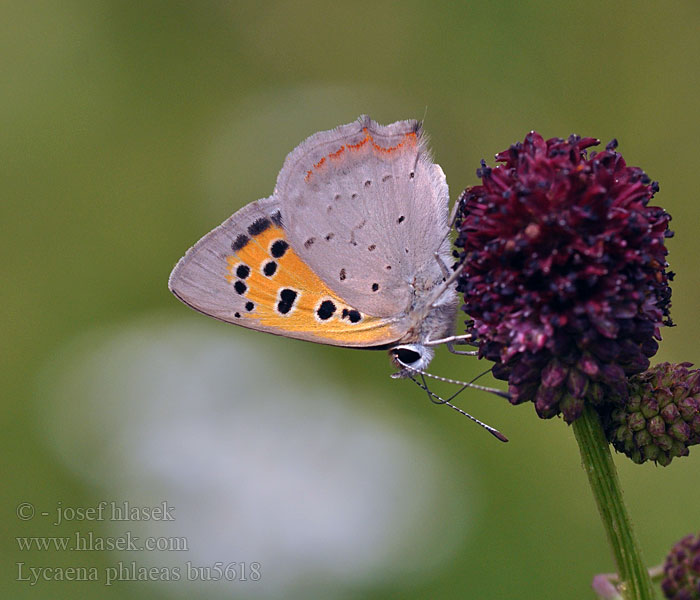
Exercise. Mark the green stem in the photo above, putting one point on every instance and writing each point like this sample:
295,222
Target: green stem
635,583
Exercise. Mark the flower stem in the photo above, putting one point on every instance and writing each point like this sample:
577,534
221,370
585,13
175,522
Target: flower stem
602,476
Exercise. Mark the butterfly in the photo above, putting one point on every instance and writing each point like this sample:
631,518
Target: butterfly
350,250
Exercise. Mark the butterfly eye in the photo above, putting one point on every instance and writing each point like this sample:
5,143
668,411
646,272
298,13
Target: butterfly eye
406,355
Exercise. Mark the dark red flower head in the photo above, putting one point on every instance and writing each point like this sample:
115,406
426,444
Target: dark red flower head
682,570
564,271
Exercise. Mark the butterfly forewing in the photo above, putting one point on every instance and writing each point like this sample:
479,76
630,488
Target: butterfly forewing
246,272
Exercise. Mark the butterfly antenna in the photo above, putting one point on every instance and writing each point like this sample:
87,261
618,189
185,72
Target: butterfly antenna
463,384
471,383
438,400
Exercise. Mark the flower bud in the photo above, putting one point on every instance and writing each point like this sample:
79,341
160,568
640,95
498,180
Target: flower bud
662,419
682,570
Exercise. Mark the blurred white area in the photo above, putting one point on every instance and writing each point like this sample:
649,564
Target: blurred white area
262,456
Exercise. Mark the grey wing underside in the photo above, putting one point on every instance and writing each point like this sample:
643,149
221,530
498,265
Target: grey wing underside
199,278
367,220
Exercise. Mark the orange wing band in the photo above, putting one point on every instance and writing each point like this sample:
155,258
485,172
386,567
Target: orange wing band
282,292
409,139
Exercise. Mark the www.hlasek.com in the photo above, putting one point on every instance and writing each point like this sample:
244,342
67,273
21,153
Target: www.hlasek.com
87,541
132,571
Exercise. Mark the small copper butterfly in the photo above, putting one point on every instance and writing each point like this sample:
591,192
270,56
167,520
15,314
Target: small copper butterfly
350,250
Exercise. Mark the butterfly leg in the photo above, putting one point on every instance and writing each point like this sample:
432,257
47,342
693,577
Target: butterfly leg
446,284
452,221
453,338
454,212
451,348
450,343
443,266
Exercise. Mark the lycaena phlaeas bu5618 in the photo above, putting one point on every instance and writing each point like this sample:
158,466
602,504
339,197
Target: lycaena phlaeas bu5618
350,250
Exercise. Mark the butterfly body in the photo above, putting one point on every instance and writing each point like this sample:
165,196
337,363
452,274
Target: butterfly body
350,250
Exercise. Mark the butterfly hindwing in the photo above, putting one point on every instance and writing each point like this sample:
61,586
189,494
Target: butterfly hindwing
246,272
367,210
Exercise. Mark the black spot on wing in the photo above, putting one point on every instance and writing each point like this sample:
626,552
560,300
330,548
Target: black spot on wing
288,295
352,315
326,310
240,287
375,287
400,219
270,268
277,219
249,306
258,226
343,274
278,248
310,242
242,271
239,242
286,300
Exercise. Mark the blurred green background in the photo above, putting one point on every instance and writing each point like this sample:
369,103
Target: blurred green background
129,129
